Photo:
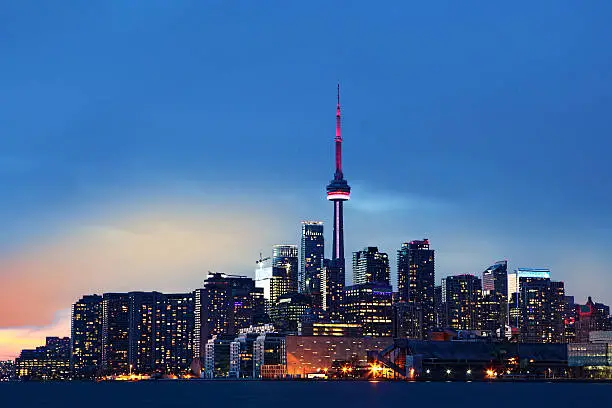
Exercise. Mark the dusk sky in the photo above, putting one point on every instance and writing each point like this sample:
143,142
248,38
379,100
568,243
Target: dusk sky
145,143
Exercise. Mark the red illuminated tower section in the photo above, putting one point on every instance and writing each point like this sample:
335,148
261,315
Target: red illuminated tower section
338,191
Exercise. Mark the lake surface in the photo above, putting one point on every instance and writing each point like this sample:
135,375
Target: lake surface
293,394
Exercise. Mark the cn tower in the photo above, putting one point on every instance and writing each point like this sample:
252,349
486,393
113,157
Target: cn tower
338,191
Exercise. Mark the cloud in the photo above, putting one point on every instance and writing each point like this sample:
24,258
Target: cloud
370,200
167,247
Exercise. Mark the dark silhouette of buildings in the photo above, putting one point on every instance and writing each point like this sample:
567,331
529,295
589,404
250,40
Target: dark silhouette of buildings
312,255
460,295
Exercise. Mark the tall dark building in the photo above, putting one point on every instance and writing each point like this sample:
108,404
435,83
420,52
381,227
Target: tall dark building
332,284
338,191
407,321
416,279
369,304
495,288
86,336
115,332
460,295
311,266
285,263
491,310
226,304
178,330
533,305
495,278
145,331
370,266
289,311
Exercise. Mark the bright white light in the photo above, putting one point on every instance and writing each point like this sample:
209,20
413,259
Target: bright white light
469,372
448,371
338,195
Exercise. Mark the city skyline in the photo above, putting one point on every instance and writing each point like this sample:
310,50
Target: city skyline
107,200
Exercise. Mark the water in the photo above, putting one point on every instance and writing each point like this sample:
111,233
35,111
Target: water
293,394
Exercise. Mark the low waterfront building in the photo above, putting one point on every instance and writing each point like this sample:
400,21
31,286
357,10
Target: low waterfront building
312,354
270,356
48,362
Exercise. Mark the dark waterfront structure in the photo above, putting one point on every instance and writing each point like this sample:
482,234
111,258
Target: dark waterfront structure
311,265
469,360
86,336
338,191
460,296
369,305
416,279
48,362
285,264
371,266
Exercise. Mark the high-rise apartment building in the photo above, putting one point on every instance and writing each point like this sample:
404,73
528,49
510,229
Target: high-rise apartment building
86,336
115,332
495,278
460,295
534,305
332,288
285,261
416,279
495,289
407,321
311,265
370,305
224,305
371,266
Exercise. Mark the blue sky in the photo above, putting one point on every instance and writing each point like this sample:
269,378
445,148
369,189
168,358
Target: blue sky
483,126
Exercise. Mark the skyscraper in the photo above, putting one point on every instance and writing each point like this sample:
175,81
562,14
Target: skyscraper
460,295
534,305
370,266
369,304
224,305
338,191
495,278
86,336
312,255
285,261
115,332
416,279
495,289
